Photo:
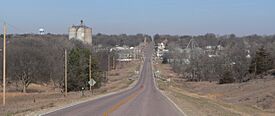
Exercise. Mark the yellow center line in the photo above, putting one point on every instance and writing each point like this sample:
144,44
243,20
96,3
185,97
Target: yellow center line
122,102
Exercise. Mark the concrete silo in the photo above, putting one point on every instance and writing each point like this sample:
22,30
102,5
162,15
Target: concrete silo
81,32
72,32
88,35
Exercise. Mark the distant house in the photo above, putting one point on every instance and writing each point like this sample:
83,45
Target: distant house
161,50
213,51
81,32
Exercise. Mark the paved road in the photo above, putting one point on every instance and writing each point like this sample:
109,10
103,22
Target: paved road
142,100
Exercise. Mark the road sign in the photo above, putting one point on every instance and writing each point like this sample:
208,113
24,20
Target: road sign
92,82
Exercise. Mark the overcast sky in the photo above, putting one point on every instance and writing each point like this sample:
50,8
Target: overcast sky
241,17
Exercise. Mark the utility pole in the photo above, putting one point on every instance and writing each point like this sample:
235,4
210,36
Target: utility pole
108,66
4,65
90,71
114,63
255,68
65,73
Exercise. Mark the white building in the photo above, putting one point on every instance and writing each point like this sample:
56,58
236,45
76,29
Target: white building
161,49
125,53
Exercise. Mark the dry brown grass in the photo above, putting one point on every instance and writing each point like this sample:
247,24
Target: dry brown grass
24,103
205,98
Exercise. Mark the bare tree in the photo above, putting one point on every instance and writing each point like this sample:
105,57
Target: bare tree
25,65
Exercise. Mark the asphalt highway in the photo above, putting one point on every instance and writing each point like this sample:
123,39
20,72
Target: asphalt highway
144,99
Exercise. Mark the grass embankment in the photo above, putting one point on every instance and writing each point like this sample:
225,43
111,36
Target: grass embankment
200,102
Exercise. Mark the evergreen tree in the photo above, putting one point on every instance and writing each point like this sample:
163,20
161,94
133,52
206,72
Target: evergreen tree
78,69
227,78
262,62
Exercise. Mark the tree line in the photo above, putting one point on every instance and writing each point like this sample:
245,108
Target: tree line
120,40
40,59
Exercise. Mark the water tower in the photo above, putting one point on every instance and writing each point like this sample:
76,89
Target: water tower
41,31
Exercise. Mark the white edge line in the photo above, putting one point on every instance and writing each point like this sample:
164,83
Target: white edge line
98,97
163,93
